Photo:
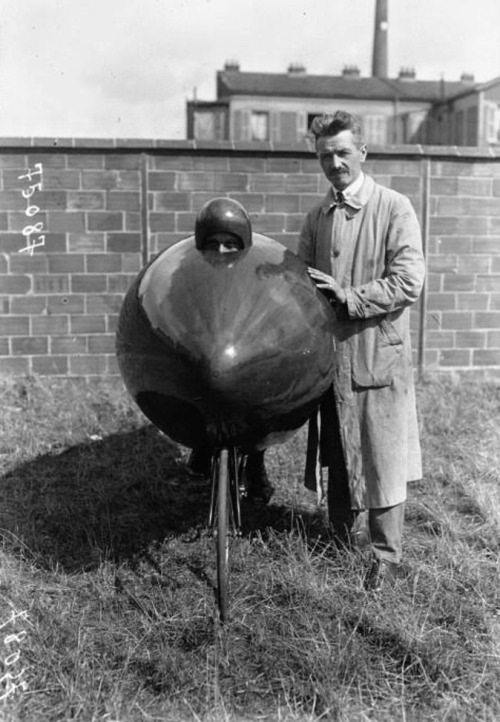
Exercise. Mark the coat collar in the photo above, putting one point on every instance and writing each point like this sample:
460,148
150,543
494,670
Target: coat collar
352,204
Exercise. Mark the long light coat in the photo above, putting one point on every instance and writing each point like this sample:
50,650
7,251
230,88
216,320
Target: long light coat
371,245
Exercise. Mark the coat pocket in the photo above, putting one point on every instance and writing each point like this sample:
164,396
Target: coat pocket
377,354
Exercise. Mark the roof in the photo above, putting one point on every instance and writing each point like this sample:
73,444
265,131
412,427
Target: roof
235,82
479,87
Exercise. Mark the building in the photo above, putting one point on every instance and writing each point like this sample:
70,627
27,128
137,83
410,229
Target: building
470,117
279,107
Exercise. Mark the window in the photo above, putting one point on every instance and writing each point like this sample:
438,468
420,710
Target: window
259,126
209,124
375,129
492,122
310,118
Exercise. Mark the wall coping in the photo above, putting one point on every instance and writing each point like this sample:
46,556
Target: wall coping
143,145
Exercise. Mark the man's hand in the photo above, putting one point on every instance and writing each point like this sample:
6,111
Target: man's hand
327,284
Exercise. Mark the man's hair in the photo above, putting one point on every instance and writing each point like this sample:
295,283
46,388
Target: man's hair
333,123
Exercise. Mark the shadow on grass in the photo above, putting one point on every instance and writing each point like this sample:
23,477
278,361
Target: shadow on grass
109,499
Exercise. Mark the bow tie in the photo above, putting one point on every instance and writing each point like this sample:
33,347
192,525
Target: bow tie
351,202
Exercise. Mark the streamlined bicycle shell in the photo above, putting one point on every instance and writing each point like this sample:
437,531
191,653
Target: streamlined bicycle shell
232,348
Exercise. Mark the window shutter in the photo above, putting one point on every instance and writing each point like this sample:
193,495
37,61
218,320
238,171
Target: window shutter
471,126
459,128
288,127
275,126
301,126
245,126
241,125
491,121
237,125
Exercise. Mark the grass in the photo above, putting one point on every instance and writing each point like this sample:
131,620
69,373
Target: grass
107,576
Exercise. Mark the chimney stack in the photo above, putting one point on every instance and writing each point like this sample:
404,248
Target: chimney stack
296,69
351,71
407,74
380,47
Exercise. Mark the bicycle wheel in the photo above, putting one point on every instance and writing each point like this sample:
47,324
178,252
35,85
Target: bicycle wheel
222,538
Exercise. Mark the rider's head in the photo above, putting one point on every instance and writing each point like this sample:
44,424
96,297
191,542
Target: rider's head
223,224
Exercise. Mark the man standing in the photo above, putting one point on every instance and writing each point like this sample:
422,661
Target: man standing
363,246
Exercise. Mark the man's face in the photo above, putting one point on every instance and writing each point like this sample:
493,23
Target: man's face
223,243
340,158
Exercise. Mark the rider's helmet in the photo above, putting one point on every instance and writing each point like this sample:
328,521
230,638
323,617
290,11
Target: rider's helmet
222,215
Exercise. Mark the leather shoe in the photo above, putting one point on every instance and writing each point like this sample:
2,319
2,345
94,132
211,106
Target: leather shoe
382,573
258,486
200,462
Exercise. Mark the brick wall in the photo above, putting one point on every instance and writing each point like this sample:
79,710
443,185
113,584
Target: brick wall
105,206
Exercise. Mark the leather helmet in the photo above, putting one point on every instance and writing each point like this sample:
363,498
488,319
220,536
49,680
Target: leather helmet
222,215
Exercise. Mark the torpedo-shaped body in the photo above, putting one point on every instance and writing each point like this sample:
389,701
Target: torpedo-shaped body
226,348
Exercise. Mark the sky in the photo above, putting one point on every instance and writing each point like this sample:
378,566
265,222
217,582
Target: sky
125,68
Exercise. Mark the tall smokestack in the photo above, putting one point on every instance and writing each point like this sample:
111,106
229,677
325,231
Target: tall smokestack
380,52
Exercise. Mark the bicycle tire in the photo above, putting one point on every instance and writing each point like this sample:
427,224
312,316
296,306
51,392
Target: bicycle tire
222,537
234,490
